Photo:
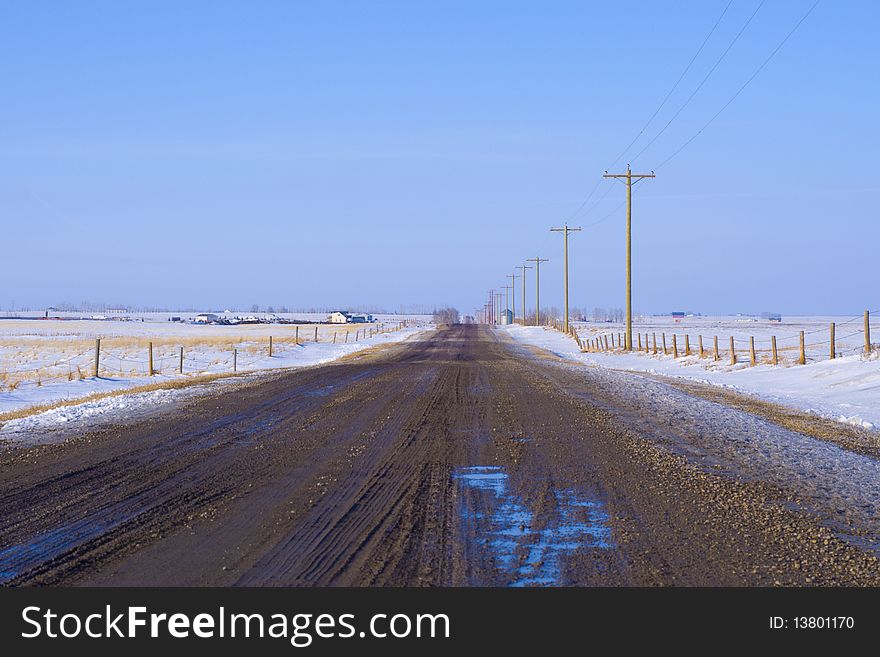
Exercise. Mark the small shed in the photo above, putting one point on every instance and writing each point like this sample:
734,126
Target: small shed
507,316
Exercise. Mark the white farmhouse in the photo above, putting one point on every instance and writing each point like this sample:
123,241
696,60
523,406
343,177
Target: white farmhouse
340,317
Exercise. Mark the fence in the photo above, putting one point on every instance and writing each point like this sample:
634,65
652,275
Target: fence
207,357
794,349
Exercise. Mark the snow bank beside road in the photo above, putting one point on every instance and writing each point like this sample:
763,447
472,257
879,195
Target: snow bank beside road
845,389
27,396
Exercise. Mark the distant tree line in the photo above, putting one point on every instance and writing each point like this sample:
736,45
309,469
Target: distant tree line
448,315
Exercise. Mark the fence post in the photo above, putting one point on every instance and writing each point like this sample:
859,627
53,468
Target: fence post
773,348
97,355
867,333
150,364
270,346
654,336
180,369
606,342
752,360
802,359
316,334
296,335
687,345
665,352
674,346
640,341
832,340
700,344
346,337
715,355
732,352
235,360
334,337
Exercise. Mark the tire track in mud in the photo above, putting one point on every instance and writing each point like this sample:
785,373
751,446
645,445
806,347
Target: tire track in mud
455,459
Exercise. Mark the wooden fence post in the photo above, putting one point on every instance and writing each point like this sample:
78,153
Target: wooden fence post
296,335
867,333
832,341
97,355
334,337
752,359
316,334
775,355
640,341
235,360
715,355
665,352
687,345
732,352
802,358
700,344
180,369
270,346
150,363
674,346
654,336
346,337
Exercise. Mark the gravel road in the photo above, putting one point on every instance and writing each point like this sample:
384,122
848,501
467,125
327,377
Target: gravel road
457,458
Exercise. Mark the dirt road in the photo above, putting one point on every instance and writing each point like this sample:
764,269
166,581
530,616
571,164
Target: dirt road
456,459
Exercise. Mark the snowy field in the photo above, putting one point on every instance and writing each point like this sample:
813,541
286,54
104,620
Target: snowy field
46,361
846,388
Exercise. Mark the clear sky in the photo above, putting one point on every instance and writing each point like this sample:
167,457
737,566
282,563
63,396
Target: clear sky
221,154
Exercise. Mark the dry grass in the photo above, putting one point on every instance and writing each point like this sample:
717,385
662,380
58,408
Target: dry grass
53,352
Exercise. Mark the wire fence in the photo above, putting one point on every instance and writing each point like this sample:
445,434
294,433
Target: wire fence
144,360
849,337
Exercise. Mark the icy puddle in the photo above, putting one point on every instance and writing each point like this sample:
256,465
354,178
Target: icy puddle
530,556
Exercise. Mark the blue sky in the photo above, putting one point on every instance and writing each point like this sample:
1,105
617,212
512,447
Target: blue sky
345,153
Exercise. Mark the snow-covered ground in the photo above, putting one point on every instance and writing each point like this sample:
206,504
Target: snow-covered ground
846,388
45,362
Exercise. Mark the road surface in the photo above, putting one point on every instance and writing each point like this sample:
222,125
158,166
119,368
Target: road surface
458,458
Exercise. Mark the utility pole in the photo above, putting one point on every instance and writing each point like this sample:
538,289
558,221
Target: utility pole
498,297
628,177
565,230
523,277
537,262
513,278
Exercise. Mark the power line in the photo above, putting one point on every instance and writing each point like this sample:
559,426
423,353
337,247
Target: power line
657,111
702,82
740,90
674,86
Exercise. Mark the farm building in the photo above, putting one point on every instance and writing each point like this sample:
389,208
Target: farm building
345,317
206,318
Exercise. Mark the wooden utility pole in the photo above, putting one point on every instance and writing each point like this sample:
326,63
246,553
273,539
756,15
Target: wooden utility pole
513,278
537,261
628,177
523,277
507,289
565,230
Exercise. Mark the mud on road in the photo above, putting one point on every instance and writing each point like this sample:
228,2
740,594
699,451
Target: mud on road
454,459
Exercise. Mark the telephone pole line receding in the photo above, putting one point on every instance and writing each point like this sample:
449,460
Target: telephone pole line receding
537,262
628,177
565,230
523,277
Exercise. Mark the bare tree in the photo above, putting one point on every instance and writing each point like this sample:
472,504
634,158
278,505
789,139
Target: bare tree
448,315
